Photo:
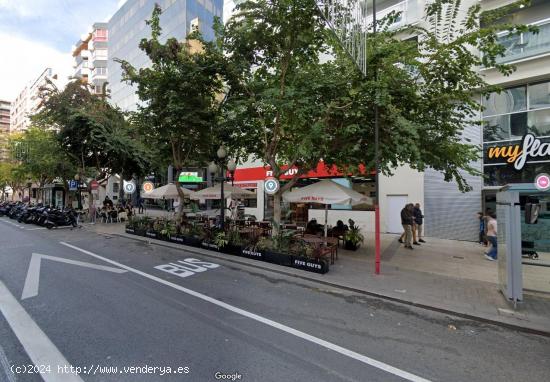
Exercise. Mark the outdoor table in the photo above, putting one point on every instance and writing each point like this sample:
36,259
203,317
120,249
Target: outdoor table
250,232
323,242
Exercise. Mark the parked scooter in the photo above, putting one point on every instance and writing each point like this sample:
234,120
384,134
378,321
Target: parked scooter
57,218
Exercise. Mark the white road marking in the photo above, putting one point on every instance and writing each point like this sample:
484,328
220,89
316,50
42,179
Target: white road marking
328,345
33,274
38,346
6,365
34,229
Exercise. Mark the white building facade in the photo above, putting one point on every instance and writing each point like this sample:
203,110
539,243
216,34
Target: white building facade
90,55
524,107
28,101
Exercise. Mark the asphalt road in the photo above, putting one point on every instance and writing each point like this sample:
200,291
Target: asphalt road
117,309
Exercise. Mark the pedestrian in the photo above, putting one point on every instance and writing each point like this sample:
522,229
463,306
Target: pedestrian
407,222
492,237
482,237
418,220
140,205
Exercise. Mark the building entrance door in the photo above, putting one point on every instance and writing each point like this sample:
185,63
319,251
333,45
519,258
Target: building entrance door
393,216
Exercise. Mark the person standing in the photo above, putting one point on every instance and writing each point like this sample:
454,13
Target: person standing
492,237
418,220
482,237
407,222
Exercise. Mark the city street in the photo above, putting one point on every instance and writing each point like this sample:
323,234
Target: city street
107,305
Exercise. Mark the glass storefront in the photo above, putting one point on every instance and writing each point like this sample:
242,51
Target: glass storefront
507,117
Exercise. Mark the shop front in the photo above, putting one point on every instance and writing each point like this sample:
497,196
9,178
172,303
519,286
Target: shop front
54,195
252,178
516,137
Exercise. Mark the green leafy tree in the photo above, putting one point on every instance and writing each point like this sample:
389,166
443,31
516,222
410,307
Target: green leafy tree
287,106
180,97
94,136
41,156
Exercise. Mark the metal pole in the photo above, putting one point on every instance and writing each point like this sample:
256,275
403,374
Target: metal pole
376,154
222,206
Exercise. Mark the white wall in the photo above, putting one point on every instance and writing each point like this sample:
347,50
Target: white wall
363,219
405,181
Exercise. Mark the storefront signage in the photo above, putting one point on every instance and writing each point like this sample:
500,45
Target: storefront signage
147,187
262,173
271,186
530,148
190,177
542,182
129,187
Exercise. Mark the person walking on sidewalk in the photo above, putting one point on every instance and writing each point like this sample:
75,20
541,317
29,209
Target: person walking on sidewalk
492,237
418,221
407,222
482,237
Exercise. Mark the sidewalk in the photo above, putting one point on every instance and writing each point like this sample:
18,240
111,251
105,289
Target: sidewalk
444,275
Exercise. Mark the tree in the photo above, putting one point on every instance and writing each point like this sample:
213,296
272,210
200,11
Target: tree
41,156
289,107
94,136
179,109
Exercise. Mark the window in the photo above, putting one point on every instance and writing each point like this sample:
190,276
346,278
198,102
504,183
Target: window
503,127
115,188
539,96
508,101
502,175
539,122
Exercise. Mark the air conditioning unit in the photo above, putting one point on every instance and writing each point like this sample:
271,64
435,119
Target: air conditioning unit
194,25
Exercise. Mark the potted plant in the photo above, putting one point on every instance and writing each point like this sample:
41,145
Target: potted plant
235,243
193,235
353,236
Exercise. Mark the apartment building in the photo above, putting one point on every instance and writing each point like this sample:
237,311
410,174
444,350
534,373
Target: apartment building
28,101
127,27
5,107
90,55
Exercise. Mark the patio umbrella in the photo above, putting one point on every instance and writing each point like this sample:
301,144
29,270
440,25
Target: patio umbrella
168,191
326,192
214,193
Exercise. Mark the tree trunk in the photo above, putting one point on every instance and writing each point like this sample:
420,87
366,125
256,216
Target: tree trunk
276,212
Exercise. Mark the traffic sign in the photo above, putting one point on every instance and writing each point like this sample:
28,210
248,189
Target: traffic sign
73,185
129,187
271,186
542,182
94,185
147,187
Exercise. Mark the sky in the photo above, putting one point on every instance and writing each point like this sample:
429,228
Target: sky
36,34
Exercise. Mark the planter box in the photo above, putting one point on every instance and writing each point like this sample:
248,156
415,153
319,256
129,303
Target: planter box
192,241
311,265
211,246
131,231
152,234
350,246
278,258
177,239
232,249
253,254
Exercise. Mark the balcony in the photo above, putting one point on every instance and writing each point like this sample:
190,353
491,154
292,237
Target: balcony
526,45
410,11
99,73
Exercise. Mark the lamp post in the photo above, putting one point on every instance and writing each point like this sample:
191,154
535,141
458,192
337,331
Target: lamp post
29,185
213,168
79,199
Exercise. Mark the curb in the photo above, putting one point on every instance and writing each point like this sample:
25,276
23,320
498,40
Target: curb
205,252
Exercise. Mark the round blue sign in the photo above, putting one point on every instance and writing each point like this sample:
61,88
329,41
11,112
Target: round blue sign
271,186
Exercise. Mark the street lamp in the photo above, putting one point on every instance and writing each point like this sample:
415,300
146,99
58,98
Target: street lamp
213,168
29,185
232,166
78,196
